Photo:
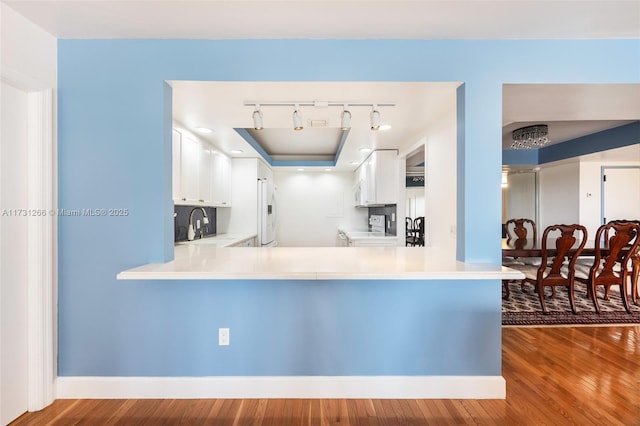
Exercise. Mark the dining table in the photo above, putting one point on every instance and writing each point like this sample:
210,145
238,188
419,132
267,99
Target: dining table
528,247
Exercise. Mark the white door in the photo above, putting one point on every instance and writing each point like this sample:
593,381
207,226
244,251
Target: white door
621,193
13,255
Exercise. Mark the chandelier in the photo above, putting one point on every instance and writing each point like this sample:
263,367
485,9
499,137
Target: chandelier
530,137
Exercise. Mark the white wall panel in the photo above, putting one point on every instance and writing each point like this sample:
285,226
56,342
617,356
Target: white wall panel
559,200
440,181
313,205
13,255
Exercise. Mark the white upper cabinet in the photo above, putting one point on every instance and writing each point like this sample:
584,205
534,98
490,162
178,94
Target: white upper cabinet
201,175
189,171
221,178
377,179
205,176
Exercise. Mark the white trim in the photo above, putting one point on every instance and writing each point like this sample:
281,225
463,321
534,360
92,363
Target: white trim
18,79
40,246
376,387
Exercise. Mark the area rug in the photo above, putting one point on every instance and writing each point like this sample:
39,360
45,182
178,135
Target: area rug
522,308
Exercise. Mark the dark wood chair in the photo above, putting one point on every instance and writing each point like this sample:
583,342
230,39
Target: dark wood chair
418,226
521,229
409,233
634,266
558,270
514,263
616,244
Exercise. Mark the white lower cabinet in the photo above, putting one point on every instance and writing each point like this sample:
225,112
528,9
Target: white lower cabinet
372,242
249,242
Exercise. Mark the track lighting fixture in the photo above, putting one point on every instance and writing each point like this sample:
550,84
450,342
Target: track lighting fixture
345,115
257,118
375,118
345,119
297,119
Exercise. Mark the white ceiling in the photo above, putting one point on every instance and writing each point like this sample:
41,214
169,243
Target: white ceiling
360,19
569,110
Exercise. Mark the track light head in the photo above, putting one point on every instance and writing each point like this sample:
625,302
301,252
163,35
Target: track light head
297,119
257,118
375,119
345,119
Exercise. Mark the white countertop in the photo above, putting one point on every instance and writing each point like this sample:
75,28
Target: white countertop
219,240
208,261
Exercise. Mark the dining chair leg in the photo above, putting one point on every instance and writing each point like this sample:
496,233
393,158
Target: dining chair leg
540,290
572,299
505,286
607,289
623,294
594,298
635,275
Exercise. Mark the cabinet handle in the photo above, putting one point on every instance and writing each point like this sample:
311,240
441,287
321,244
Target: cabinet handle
184,199
202,201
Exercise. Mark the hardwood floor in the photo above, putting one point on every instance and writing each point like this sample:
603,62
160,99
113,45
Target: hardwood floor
555,376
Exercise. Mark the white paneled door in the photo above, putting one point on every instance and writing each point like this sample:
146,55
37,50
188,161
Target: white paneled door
13,255
621,193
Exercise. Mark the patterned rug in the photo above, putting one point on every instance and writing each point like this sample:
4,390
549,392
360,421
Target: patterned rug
523,309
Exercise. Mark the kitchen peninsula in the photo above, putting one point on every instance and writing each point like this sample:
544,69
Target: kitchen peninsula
335,322
209,261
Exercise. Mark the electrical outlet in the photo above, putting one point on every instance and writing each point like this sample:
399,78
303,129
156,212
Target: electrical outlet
198,224
223,337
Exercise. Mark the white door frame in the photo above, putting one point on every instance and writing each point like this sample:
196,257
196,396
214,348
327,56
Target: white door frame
41,238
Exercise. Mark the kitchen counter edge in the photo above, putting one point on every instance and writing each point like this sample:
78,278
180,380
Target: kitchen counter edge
316,263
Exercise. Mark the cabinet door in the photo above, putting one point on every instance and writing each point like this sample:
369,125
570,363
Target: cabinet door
176,158
221,180
205,177
189,173
386,177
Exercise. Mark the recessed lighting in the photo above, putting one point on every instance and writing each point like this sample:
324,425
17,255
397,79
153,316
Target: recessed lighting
301,170
236,151
204,130
355,162
385,127
327,170
365,149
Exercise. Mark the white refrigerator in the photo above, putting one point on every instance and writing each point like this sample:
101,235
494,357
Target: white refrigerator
266,213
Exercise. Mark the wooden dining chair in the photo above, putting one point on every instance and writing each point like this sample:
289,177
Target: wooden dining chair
409,234
418,226
559,269
521,229
633,266
616,243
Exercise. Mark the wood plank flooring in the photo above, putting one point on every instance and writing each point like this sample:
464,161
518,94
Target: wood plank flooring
555,376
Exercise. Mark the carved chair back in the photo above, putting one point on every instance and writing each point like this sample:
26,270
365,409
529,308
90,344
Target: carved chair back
519,229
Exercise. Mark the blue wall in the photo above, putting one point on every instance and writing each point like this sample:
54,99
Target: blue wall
114,152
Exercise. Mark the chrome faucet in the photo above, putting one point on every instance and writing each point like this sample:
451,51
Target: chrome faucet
191,233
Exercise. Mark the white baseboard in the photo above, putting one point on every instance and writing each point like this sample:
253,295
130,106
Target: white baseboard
347,387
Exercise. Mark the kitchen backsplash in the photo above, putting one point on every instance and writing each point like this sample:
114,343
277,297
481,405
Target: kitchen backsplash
390,213
181,221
